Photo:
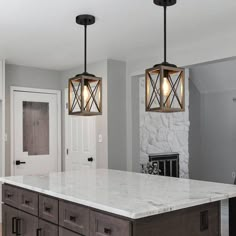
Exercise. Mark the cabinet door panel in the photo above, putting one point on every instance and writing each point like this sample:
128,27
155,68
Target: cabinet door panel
28,224
48,229
9,220
103,225
65,232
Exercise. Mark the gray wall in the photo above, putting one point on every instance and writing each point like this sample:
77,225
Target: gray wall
217,123
112,123
116,114
135,124
26,77
195,158
218,136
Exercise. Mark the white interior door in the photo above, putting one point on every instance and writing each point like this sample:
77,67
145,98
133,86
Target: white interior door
80,140
35,131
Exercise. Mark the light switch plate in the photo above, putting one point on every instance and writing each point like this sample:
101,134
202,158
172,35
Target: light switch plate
100,138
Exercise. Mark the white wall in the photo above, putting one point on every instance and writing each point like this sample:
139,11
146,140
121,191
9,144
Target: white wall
164,132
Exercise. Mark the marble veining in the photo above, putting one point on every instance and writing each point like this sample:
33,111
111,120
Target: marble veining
127,194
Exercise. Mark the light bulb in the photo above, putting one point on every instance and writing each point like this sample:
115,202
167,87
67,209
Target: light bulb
86,94
166,87
182,89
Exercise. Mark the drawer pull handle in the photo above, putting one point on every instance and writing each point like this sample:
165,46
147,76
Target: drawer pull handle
72,218
9,195
204,221
27,202
48,209
107,231
38,232
18,227
13,227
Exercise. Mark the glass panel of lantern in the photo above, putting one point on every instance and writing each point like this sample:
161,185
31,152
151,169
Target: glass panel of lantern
165,89
85,95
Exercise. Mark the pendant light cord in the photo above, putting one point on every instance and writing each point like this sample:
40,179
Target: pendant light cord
165,37
85,49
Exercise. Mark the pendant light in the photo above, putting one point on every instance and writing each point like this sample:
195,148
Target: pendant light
85,90
165,82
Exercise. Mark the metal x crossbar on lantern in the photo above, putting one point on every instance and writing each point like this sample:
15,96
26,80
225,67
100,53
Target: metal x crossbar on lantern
85,90
165,82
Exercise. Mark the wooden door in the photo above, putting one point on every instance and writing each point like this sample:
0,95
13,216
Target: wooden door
80,140
47,229
65,232
9,217
28,224
35,133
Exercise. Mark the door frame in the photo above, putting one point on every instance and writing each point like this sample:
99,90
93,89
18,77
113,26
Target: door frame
35,90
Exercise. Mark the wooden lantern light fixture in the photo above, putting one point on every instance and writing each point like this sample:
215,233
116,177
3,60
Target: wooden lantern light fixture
85,90
165,82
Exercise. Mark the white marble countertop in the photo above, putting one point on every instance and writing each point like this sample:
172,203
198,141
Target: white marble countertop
126,194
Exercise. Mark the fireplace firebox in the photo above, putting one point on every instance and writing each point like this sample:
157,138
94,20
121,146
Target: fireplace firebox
165,164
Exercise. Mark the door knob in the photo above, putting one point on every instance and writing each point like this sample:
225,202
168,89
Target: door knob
90,159
20,162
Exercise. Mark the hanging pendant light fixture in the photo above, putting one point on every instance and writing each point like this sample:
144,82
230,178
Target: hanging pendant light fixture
164,83
85,90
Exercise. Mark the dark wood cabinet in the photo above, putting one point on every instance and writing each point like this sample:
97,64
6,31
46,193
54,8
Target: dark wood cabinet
28,201
10,195
74,217
28,213
65,232
28,224
103,225
16,222
9,217
48,209
47,229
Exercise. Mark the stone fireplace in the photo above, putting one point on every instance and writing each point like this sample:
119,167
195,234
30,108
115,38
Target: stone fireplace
164,132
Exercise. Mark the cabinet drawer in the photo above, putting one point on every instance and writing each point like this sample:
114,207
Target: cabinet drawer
65,232
74,217
28,201
103,225
10,195
48,209
47,229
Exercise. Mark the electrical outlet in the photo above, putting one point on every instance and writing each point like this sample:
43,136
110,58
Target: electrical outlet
233,174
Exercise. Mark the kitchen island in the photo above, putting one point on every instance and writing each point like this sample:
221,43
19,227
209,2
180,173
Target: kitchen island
99,202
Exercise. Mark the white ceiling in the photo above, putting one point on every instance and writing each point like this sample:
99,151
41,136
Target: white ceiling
43,33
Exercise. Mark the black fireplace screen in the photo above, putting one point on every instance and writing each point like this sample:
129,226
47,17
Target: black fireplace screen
162,164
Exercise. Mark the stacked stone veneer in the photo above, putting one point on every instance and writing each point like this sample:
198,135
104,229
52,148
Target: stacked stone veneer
164,132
